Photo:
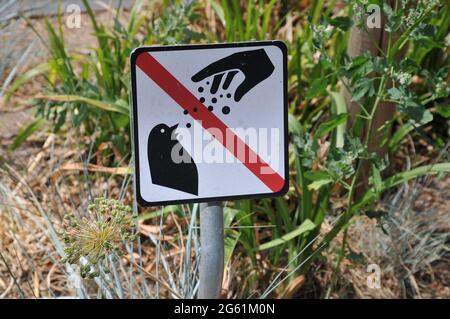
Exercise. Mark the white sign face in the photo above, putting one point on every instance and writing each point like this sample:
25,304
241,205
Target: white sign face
210,122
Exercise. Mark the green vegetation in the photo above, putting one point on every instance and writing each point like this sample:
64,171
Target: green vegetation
328,156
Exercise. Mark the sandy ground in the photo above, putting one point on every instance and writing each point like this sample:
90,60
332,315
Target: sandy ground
26,51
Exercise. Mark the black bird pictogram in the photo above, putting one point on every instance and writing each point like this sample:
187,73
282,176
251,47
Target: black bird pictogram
179,173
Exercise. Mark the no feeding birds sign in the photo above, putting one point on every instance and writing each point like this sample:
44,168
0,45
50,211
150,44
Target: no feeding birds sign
210,122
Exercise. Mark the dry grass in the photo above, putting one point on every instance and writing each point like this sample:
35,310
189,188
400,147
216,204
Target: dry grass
37,190
35,194
410,244
47,178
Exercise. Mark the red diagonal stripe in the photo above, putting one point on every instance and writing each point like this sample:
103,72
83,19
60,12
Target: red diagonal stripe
183,97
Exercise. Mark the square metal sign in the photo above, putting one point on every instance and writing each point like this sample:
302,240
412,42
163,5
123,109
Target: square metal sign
209,122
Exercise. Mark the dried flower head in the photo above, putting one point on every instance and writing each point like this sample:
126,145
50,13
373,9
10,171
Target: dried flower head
97,236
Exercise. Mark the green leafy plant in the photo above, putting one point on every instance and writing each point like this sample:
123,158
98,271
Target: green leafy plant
329,149
92,90
89,89
367,77
320,57
254,25
174,24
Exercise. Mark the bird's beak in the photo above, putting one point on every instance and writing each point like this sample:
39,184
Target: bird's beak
172,129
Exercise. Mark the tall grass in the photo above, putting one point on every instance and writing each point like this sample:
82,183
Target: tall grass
33,229
325,155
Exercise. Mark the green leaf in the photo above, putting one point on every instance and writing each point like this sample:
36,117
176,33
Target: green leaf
396,94
343,23
305,227
408,65
316,175
327,127
318,178
417,113
318,88
341,108
424,35
357,64
228,216
76,98
294,125
230,241
26,131
38,70
267,17
416,172
377,161
283,211
402,177
316,185
376,179
409,106
399,135
176,209
443,110
363,87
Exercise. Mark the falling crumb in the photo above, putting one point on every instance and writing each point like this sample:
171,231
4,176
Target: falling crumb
225,110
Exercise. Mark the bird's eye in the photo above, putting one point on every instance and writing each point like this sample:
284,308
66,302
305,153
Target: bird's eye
163,130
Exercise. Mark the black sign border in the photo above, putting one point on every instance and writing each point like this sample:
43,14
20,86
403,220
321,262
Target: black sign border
134,132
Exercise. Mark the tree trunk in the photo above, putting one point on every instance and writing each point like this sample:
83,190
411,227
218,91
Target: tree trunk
369,41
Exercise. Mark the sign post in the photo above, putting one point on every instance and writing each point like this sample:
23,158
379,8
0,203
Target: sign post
212,250
210,125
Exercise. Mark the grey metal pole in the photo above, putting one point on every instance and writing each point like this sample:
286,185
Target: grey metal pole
212,250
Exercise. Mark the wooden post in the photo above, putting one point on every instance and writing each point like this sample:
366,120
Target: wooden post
370,41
